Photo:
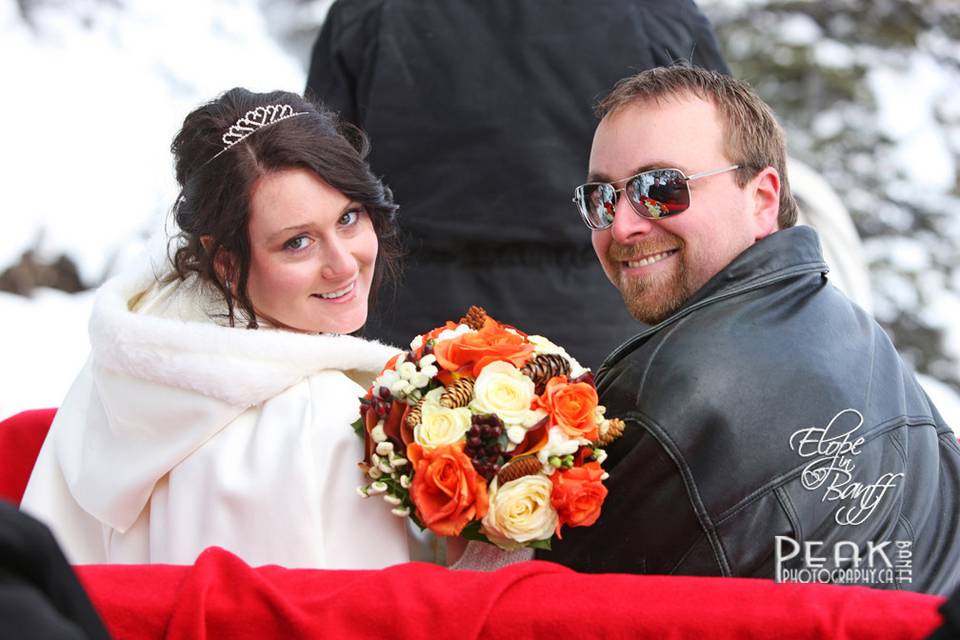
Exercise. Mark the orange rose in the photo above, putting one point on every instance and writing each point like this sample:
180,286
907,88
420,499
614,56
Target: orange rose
571,407
578,495
470,352
446,490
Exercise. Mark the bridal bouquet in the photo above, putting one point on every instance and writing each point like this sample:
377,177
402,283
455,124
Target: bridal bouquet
485,432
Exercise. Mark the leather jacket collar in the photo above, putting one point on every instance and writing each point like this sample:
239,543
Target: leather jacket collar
781,255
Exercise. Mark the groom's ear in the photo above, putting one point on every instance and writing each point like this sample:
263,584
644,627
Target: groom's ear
766,202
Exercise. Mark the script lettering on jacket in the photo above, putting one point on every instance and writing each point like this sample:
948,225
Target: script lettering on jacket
833,465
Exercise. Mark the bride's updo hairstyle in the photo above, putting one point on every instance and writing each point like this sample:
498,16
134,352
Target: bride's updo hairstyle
217,184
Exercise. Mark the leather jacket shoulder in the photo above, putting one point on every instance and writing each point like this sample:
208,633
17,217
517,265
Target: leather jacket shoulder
733,405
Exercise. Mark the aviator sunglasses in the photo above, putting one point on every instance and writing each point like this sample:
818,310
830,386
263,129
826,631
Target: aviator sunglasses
654,194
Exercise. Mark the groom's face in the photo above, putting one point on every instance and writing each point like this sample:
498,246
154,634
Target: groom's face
658,264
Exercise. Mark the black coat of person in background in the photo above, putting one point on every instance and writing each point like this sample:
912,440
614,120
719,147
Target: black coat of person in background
481,118
40,597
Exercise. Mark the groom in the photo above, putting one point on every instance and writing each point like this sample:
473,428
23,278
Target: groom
772,429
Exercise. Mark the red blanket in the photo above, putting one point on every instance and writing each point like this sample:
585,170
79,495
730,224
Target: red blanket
21,437
222,597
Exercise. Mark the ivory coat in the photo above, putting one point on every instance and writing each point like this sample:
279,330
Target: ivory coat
181,433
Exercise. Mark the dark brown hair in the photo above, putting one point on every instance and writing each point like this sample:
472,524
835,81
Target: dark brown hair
752,137
216,189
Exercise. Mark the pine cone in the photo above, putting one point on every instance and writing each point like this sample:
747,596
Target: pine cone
518,468
457,394
413,416
545,366
614,430
475,317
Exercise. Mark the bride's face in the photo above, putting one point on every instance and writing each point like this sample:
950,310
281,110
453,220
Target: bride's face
312,254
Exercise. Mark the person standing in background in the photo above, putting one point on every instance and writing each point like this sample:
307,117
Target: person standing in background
480,118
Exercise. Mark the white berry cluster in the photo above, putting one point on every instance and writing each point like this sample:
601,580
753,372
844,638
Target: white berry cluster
409,381
391,479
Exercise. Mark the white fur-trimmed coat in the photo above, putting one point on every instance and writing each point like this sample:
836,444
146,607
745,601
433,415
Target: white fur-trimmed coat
181,433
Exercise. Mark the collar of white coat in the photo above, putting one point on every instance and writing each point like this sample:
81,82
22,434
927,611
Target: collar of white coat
237,366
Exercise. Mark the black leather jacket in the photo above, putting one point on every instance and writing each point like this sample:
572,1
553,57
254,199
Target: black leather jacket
725,404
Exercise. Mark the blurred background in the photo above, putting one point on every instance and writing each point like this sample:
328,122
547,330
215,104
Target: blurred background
868,91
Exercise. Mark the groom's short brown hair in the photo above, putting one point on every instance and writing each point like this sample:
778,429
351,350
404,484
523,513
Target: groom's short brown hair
752,137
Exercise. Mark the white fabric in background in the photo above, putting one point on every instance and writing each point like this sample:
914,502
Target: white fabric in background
822,209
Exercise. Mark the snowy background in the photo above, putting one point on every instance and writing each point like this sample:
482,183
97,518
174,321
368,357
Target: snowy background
868,90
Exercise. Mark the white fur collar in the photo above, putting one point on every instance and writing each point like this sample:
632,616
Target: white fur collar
238,366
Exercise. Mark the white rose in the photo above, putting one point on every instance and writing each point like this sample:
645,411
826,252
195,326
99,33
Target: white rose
416,343
520,511
439,425
502,389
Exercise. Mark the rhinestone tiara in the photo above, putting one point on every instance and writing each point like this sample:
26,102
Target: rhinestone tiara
254,120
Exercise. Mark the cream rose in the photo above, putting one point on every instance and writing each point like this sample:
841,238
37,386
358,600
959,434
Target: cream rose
519,512
440,425
502,389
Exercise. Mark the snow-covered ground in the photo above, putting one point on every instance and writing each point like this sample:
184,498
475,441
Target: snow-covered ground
44,343
94,92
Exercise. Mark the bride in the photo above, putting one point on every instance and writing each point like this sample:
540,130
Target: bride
216,404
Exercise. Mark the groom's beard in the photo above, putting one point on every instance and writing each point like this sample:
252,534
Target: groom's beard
652,298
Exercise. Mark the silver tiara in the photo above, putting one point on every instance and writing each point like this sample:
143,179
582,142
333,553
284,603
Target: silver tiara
253,121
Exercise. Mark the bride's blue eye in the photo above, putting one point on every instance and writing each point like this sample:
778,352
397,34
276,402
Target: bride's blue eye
296,244
349,218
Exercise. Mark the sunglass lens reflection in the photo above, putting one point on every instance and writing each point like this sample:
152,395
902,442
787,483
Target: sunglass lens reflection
659,193
602,202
